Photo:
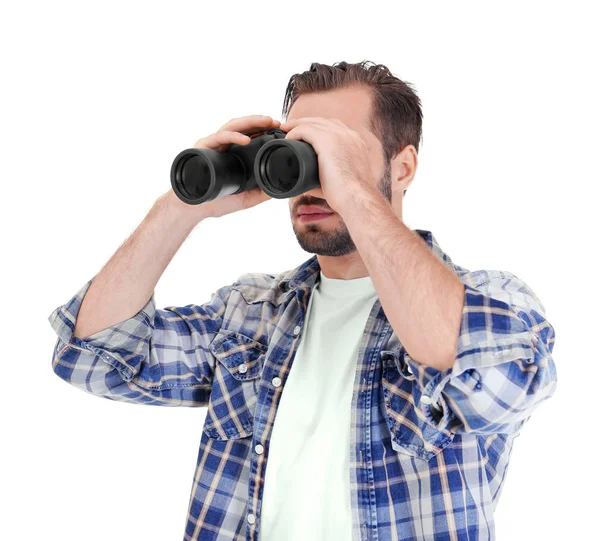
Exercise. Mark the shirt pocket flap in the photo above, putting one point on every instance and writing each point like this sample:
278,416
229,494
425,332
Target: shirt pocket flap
411,433
241,355
236,382
396,355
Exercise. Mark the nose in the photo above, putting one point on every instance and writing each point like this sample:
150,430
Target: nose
314,194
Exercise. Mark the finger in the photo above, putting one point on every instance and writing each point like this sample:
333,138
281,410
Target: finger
306,131
216,140
256,131
248,123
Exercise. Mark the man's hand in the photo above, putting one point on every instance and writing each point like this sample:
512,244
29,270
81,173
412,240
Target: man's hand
344,169
236,131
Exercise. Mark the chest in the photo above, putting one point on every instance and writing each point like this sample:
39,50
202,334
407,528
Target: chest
254,354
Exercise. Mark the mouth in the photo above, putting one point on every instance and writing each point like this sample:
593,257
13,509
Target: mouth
314,217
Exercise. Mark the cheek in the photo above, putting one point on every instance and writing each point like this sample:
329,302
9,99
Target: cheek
375,170
376,162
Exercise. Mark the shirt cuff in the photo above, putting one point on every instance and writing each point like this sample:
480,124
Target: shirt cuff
124,345
502,370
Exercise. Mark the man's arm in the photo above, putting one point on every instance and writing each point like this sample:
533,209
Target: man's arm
482,355
127,281
132,351
422,298
113,341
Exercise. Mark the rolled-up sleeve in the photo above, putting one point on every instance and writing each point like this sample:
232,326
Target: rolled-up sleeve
503,368
156,357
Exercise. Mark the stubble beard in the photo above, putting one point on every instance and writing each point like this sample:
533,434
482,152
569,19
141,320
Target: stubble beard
318,239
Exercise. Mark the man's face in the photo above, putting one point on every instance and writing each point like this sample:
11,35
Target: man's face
329,236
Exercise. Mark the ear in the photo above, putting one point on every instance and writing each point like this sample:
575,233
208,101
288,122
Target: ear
404,167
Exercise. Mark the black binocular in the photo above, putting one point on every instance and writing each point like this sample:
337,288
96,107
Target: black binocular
282,168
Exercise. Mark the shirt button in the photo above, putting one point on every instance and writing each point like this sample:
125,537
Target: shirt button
276,382
243,368
297,329
425,399
259,449
251,518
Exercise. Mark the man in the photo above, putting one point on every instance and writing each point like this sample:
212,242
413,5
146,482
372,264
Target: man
374,391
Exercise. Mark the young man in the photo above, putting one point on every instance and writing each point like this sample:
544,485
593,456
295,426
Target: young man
374,391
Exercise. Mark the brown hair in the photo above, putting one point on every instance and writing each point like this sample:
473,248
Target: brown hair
396,117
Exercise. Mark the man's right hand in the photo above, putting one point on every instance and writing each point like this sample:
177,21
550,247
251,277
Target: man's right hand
236,131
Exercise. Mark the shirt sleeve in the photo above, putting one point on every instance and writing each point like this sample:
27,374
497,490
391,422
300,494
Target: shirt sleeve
503,368
157,357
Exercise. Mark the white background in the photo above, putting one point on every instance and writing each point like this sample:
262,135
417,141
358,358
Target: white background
98,98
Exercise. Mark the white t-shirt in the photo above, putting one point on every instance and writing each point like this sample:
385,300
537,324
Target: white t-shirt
307,481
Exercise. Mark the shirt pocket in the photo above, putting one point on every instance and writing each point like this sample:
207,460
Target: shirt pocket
411,434
234,394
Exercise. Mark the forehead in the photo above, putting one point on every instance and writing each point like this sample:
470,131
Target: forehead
352,105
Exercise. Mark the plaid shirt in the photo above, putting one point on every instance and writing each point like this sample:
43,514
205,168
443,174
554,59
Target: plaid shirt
429,449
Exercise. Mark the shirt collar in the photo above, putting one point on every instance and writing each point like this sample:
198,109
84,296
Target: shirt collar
305,275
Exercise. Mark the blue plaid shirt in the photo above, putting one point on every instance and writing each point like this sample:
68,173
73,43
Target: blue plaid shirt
429,449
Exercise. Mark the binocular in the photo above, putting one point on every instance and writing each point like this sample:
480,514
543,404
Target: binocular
282,168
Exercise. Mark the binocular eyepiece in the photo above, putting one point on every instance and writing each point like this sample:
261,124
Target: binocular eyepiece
282,168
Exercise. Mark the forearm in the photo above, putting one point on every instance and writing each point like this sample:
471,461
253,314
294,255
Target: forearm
126,282
421,297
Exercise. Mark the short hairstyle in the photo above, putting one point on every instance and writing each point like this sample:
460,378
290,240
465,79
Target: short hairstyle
396,115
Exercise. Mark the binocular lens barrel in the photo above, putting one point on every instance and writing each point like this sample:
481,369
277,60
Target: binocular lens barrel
199,175
280,169
195,176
